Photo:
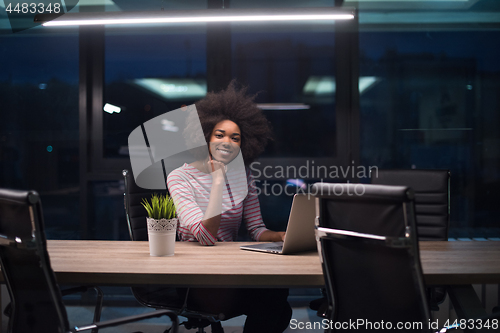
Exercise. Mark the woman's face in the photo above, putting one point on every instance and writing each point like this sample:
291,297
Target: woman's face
225,141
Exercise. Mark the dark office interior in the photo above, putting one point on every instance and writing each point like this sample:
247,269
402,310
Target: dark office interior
405,85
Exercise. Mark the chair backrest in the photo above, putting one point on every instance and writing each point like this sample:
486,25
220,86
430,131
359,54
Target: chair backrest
432,201
135,212
369,250
35,296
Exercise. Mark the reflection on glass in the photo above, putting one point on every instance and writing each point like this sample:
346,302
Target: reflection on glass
277,62
148,73
434,107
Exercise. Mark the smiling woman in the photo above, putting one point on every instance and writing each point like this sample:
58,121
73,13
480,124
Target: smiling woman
215,194
234,105
225,141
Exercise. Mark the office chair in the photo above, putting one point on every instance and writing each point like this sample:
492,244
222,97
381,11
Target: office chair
368,247
160,297
432,193
432,207
36,300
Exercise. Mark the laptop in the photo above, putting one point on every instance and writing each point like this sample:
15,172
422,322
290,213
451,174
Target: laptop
299,232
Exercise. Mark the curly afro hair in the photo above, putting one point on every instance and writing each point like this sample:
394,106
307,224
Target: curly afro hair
233,104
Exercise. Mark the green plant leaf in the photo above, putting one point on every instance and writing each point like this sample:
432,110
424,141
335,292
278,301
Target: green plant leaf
160,207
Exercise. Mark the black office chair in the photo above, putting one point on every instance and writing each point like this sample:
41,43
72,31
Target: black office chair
160,297
432,193
432,208
369,251
36,301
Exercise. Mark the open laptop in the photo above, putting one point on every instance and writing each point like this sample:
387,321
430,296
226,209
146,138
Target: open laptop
299,232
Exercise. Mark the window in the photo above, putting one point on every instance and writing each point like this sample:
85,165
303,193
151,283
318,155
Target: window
433,105
149,72
39,142
291,68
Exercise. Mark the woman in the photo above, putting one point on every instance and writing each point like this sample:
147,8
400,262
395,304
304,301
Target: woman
215,194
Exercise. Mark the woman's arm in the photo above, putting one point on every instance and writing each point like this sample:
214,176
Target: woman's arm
212,218
202,225
181,186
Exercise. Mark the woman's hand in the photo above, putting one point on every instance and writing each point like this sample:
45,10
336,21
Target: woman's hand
217,169
272,236
281,234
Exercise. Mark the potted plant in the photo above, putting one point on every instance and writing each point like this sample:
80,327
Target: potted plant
162,223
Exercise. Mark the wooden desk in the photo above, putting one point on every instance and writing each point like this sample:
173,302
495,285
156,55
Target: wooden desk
129,263
460,262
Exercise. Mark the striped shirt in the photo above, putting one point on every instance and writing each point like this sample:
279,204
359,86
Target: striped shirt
190,189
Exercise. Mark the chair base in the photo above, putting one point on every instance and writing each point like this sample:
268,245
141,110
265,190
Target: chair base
201,324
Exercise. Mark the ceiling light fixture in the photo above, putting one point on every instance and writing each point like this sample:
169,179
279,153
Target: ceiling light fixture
193,16
283,106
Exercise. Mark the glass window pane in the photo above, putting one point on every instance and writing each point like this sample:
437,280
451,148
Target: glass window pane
433,105
39,134
147,73
291,69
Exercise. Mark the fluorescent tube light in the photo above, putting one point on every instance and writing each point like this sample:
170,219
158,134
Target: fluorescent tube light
325,85
194,16
283,106
171,89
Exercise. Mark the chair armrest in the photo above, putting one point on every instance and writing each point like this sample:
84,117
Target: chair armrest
129,319
398,242
27,243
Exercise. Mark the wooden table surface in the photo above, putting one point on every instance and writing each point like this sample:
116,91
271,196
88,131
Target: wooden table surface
460,262
129,263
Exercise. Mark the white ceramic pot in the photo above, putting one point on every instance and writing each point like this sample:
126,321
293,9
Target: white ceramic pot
161,236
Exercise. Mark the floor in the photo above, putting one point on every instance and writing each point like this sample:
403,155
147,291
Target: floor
83,315
303,319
